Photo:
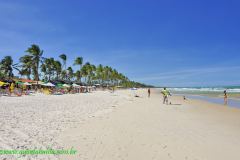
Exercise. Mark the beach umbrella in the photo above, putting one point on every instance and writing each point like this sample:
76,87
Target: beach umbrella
49,84
1,83
66,85
10,81
19,82
38,83
133,88
27,84
60,85
26,80
75,85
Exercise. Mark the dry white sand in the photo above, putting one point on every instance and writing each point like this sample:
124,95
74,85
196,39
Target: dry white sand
106,126
34,122
145,129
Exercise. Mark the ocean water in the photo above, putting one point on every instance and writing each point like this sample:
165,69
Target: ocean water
231,102
210,94
230,89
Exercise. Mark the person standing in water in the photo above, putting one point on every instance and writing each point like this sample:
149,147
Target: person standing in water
165,93
225,97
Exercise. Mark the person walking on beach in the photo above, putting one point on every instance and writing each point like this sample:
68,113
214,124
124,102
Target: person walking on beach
165,94
225,97
149,92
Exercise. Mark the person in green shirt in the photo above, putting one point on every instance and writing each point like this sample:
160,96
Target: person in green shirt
165,94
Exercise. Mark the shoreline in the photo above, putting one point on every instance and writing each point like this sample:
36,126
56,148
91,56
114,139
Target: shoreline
232,102
147,129
211,97
103,125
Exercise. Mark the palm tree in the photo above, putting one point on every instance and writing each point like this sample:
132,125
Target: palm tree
26,66
84,71
64,59
1,75
79,61
99,73
114,76
50,68
7,66
36,56
70,73
64,75
58,68
44,70
90,72
106,74
121,78
78,75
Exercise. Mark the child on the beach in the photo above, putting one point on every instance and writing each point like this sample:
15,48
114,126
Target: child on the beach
225,97
184,98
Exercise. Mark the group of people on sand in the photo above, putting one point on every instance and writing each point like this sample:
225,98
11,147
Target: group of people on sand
166,93
13,89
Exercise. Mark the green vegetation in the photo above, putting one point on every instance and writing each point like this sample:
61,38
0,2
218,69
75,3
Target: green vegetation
34,66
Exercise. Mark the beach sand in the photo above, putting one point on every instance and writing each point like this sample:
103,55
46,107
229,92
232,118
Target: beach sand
118,126
145,129
35,122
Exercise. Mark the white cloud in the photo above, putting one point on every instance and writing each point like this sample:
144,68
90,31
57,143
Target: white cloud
183,74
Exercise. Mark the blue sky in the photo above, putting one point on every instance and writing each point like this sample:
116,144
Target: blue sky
159,42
